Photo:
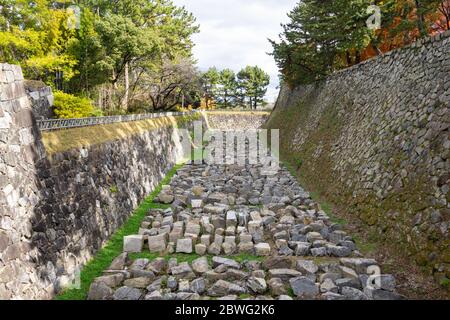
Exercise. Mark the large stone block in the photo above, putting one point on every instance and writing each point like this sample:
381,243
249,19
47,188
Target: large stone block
157,243
184,246
133,243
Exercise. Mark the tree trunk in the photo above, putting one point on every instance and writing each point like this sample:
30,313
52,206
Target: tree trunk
357,57
127,88
348,58
420,19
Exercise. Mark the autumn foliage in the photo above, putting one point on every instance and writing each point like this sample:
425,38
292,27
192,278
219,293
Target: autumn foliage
323,36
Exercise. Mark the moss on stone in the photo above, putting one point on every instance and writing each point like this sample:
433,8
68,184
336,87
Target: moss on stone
391,217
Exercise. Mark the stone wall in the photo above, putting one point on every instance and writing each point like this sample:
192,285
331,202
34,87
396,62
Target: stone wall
374,139
57,210
238,120
41,98
19,193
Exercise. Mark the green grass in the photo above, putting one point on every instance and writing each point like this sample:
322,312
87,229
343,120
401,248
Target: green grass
245,257
114,246
327,208
364,246
445,283
290,293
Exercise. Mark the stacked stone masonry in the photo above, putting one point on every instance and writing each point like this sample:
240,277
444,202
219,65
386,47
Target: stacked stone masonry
41,98
292,250
387,146
244,120
57,210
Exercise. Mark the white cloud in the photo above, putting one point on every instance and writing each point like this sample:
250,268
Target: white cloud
234,33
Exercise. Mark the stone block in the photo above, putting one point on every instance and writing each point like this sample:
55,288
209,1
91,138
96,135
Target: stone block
243,238
200,249
193,228
246,247
133,243
157,244
184,246
231,220
205,239
262,249
228,248
175,235
218,239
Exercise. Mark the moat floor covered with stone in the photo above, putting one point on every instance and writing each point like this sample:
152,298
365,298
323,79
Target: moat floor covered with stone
250,235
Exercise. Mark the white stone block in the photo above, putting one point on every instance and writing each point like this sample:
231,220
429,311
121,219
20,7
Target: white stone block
133,243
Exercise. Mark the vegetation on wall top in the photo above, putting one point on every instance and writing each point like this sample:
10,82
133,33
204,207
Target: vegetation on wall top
324,36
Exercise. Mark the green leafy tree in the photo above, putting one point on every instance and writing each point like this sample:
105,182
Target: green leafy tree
326,35
210,81
227,88
37,37
254,82
87,46
322,35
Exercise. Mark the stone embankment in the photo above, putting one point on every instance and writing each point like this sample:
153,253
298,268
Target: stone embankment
374,140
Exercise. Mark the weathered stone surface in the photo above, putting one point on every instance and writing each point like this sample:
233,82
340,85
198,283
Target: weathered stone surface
154,296
100,291
231,220
111,281
182,271
133,243
200,265
127,293
358,264
328,286
262,249
141,282
338,251
119,262
200,249
223,288
302,248
353,294
304,287
277,263
380,145
217,261
284,274
228,248
157,243
246,247
198,286
214,249
184,246
307,266
257,285
277,287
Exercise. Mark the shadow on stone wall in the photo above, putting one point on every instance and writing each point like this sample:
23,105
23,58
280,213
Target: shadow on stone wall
87,194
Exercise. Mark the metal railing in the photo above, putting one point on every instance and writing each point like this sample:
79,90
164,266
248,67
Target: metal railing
58,124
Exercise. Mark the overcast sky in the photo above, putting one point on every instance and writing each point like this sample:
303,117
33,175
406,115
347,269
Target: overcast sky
233,33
